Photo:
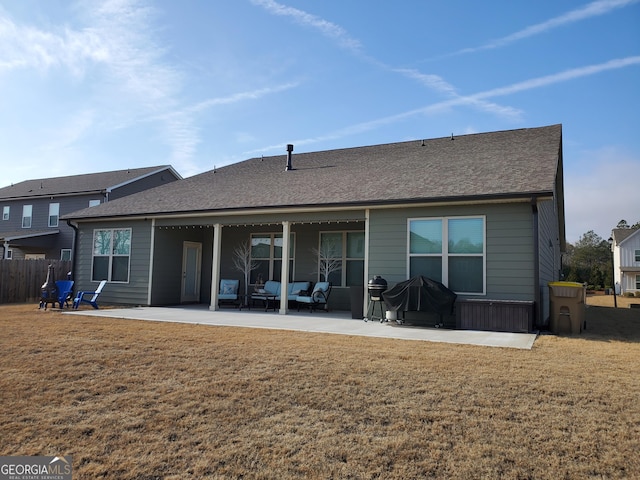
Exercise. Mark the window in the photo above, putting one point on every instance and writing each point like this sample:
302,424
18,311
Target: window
266,253
9,255
341,258
26,216
94,203
449,250
65,254
637,255
54,212
111,251
637,282
5,212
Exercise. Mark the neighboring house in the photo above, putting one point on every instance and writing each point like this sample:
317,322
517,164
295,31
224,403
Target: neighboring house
31,225
482,213
626,259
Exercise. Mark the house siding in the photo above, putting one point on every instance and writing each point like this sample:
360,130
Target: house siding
49,245
626,259
151,181
549,257
509,246
134,292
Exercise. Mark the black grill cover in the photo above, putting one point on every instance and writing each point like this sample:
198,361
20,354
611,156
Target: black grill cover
420,294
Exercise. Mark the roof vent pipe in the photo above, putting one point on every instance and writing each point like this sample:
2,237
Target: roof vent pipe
289,150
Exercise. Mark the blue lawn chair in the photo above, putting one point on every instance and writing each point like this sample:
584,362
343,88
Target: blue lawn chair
93,301
65,290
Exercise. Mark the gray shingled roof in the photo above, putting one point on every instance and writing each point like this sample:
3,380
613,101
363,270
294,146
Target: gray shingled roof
76,184
487,165
621,234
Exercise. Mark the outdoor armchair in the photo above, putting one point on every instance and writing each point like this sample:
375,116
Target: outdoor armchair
65,291
228,292
93,301
318,297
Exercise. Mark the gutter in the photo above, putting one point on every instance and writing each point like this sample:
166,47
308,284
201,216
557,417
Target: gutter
73,248
277,209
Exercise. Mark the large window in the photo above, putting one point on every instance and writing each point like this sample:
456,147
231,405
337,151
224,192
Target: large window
5,212
341,258
637,282
449,250
111,252
27,211
266,253
54,213
637,255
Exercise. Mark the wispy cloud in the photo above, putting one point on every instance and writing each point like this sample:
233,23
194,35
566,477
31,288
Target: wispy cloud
326,28
342,37
477,99
593,9
182,128
567,75
437,83
134,83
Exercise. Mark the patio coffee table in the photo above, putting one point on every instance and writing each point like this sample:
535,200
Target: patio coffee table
266,298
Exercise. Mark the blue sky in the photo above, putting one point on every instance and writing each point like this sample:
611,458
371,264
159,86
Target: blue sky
99,85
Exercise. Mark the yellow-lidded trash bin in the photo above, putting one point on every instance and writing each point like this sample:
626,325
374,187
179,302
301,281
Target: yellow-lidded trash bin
567,306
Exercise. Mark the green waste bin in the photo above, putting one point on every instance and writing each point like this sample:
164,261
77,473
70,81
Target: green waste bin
568,306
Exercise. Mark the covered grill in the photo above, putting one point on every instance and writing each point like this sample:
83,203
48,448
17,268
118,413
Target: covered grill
49,289
420,294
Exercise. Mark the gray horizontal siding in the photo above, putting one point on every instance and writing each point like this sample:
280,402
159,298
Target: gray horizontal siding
133,292
509,248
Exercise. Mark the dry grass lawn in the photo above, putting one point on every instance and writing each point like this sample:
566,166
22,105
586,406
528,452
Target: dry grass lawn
144,400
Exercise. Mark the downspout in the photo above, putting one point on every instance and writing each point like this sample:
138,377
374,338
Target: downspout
73,248
537,309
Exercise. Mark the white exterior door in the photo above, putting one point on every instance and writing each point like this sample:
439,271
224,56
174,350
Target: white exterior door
191,265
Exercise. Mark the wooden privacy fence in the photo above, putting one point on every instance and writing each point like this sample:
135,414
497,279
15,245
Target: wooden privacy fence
21,280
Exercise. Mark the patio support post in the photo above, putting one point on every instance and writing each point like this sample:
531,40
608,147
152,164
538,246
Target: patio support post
365,280
284,292
215,266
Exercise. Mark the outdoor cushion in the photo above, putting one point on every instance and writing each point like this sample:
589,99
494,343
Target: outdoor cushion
298,288
228,289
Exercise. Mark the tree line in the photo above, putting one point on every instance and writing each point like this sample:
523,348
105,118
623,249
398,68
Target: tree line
589,260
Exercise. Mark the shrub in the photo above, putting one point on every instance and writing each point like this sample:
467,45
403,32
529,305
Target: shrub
628,294
638,294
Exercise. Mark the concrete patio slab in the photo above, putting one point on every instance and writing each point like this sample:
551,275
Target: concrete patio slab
318,322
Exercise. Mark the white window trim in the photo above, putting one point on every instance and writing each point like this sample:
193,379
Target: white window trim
54,211
62,252
636,255
6,210
30,216
445,249
111,255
